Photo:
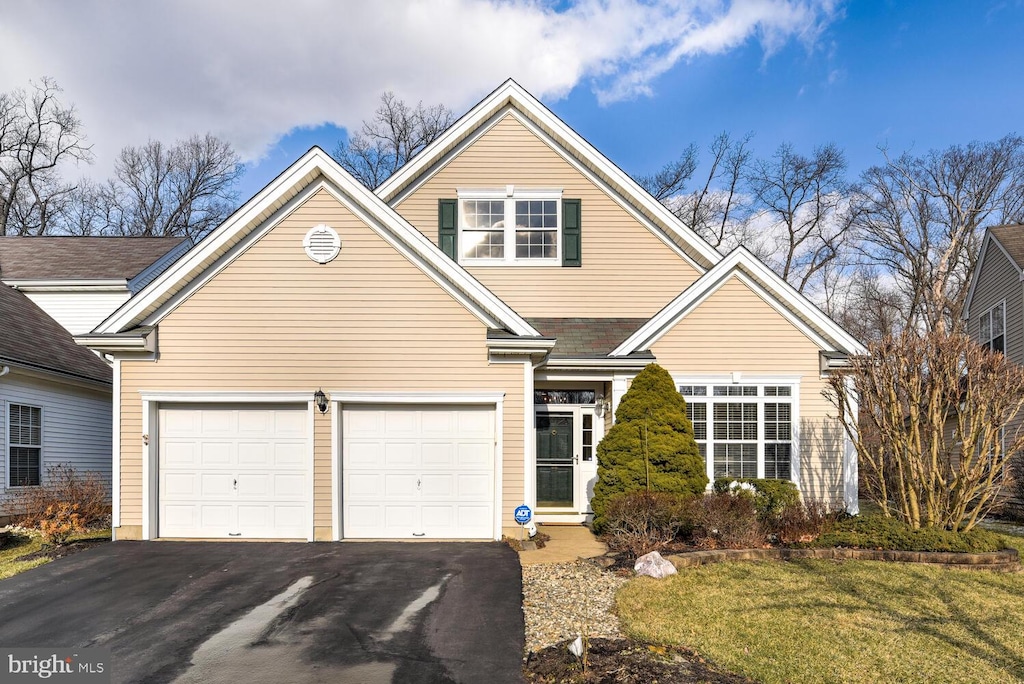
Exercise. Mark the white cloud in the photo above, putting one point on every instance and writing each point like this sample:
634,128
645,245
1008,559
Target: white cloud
252,71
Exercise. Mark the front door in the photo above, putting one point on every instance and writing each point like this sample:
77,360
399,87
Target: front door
557,459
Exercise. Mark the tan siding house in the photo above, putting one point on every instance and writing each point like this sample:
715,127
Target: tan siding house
417,362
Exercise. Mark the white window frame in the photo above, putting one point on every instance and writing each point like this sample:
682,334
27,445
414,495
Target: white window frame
510,195
986,327
761,399
11,444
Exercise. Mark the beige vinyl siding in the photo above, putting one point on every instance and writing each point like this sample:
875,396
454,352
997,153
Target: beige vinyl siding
999,281
273,320
736,330
626,271
76,425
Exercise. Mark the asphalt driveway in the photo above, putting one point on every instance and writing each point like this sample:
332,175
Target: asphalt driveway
279,612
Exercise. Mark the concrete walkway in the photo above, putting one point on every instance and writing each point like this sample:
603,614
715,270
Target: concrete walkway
568,542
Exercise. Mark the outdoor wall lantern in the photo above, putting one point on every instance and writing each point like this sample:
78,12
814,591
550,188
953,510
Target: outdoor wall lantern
321,400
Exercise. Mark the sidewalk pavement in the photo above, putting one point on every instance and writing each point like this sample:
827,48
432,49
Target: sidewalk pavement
568,542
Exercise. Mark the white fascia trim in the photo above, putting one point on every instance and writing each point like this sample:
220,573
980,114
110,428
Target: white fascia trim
311,412
602,364
115,447
492,398
118,343
208,397
152,305
214,243
334,408
499,464
781,295
989,240
745,379
82,285
415,247
511,93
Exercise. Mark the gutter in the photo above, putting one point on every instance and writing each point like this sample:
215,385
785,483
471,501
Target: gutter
141,339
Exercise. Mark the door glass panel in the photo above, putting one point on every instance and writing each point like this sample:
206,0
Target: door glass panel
555,467
588,437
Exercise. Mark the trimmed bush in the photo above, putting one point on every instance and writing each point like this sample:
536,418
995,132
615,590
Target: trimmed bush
724,521
806,521
63,486
890,534
650,447
640,522
771,497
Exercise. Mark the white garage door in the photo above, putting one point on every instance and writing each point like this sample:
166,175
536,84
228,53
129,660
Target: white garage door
234,473
425,472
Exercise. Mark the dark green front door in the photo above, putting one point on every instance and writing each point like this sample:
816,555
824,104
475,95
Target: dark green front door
555,460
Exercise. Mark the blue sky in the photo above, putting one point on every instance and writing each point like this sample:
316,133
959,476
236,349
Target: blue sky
640,79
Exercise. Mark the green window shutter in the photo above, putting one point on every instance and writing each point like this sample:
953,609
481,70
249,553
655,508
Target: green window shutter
447,226
571,244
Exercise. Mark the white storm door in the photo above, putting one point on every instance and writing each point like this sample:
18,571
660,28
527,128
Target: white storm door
418,472
234,472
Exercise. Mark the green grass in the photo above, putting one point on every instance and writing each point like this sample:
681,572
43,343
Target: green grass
823,621
11,558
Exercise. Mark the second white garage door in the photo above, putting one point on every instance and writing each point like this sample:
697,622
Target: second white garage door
234,472
425,472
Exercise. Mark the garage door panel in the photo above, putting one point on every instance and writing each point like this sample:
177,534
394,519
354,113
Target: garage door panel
238,472
474,456
440,455
423,465
399,485
216,454
401,454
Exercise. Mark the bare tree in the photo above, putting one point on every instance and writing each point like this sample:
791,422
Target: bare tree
933,438
800,200
183,190
672,178
38,135
395,134
921,219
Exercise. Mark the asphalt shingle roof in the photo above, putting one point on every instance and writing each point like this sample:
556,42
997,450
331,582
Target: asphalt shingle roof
586,337
1012,240
29,337
79,258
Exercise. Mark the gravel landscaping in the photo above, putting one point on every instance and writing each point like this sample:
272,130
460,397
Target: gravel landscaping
563,600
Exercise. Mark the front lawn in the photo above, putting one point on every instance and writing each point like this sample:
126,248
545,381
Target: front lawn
13,558
826,621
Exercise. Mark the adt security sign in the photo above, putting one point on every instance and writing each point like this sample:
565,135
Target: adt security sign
523,514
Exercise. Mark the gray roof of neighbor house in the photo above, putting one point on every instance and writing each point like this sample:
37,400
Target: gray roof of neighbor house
1012,240
80,258
586,337
31,339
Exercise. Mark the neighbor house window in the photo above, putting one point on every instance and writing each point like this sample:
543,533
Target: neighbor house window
993,328
25,445
746,429
520,228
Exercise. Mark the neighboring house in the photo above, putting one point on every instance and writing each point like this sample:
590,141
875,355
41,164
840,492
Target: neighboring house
79,280
469,330
994,309
54,394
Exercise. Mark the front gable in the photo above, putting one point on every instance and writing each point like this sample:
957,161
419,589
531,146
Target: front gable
619,252
996,288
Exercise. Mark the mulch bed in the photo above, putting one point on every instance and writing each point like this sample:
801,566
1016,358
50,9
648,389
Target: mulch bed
622,661
55,552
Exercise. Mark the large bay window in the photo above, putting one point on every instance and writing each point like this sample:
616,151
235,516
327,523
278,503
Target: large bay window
744,430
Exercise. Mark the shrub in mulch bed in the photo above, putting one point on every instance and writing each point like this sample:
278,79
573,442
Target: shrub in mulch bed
622,661
878,532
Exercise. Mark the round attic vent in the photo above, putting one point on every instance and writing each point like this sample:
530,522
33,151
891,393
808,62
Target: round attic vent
322,243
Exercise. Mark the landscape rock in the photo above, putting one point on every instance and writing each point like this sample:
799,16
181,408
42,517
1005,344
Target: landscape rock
653,565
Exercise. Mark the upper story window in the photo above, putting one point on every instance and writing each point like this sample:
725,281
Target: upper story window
521,228
512,226
992,333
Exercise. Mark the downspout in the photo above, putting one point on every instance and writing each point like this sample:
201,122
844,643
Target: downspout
4,370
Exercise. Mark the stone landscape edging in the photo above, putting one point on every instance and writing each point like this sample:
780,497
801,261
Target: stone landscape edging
1006,560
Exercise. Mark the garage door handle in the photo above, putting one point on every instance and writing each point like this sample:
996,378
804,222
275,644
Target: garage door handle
234,534
235,485
419,534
